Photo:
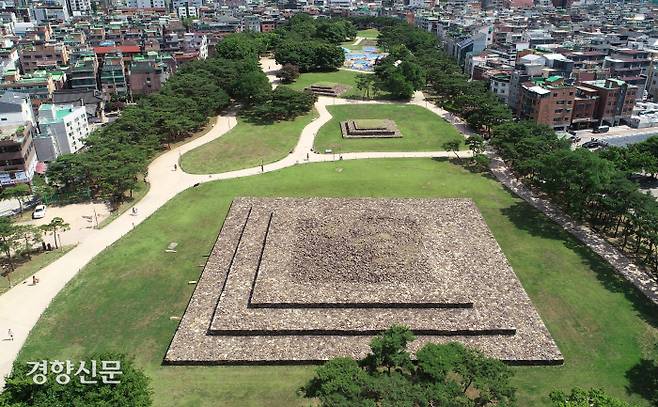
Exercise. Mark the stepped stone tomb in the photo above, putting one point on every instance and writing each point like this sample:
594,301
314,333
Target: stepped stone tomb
369,128
331,90
303,280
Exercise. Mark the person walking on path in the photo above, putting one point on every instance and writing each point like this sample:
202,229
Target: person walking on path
175,167
35,280
134,211
10,334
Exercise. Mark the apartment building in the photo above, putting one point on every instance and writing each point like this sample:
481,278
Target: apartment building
15,109
113,75
615,100
149,73
18,159
63,129
146,4
547,101
499,84
630,66
43,56
39,85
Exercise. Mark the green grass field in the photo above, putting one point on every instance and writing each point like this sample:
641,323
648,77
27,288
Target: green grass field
340,77
26,268
123,300
335,77
369,33
245,146
421,129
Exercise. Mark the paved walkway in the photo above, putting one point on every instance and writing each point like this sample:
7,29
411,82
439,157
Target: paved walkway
639,278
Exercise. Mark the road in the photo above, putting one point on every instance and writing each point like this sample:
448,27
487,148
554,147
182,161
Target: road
618,136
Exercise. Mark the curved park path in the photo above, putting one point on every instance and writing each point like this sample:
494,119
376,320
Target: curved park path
21,306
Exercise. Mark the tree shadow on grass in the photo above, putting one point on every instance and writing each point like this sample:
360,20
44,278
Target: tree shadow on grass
465,164
527,218
643,380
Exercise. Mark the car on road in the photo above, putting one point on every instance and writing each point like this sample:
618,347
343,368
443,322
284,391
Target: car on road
595,144
601,129
39,212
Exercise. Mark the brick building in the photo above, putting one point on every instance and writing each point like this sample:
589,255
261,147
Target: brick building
615,100
547,101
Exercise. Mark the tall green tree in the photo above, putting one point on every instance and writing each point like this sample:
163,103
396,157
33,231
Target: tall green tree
9,241
365,83
55,227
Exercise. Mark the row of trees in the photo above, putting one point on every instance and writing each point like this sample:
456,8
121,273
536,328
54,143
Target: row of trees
592,187
416,62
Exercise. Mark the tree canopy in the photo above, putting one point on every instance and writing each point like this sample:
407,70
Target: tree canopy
132,391
443,375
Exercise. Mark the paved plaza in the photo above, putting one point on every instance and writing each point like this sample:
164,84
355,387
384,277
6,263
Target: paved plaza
299,280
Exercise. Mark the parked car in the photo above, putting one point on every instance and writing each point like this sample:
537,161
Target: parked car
39,212
572,132
601,129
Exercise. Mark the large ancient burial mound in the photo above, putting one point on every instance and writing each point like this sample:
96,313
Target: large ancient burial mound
369,128
293,280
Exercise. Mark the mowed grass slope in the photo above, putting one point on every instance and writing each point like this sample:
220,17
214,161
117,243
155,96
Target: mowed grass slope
325,78
421,129
246,145
124,299
369,33
340,77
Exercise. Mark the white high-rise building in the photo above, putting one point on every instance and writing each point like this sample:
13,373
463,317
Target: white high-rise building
79,7
146,4
63,130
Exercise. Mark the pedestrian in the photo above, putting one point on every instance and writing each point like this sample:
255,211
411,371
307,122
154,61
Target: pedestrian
35,280
262,169
175,167
134,211
10,334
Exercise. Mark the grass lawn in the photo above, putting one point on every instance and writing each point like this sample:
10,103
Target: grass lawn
123,300
26,268
335,77
359,47
245,146
421,129
369,33
341,77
